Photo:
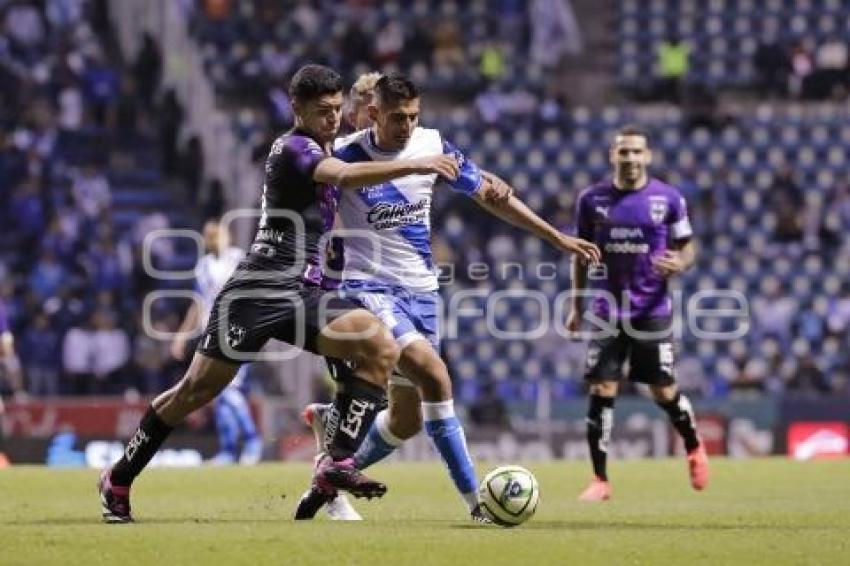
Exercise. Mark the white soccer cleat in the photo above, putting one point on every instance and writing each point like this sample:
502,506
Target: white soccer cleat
252,453
340,509
222,459
314,417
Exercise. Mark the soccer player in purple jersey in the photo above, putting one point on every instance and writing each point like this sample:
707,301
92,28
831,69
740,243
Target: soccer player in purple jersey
275,293
641,225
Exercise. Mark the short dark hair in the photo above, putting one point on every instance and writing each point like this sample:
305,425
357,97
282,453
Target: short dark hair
394,88
312,81
633,130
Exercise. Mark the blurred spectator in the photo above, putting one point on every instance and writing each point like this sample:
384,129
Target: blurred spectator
389,43
64,13
28,210
91,192
126,115
554,31
801,68
307,18
100,84
70,106
213,203
147,70
448,49
830,76
492,65
151,358
786,202
750,371
419,45
218,9
105,266
77,359
61,245
192,167
489,408
809,378
171,119
47,276
358,46
773,311
838,318
772,65
40,353
162,249
24,26
111,349
673,67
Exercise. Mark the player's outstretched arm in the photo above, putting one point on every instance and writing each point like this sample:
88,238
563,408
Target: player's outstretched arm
494,189
344,175
515,212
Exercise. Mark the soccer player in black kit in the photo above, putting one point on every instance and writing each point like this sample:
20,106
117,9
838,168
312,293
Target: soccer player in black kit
276,293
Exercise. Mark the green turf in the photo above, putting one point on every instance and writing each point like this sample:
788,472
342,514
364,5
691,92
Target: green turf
755,512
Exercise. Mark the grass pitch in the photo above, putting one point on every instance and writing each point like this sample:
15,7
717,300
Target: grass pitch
755,512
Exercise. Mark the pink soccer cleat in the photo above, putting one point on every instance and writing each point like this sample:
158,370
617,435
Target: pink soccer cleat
698,467
598,490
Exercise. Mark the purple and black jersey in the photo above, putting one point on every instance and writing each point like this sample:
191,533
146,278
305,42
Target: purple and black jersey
296,210
631,228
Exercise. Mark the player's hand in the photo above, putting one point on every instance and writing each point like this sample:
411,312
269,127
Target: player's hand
445,166
669,263
178,349
574,321
494,189
587,251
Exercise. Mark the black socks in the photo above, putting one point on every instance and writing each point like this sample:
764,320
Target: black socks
150,435
682,418
600,421
354,409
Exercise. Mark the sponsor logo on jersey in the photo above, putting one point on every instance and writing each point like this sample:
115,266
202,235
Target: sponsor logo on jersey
657,209
626,248
624,233
386,215
235,335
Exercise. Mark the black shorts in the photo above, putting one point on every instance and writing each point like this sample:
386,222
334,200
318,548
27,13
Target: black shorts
253,308
651,359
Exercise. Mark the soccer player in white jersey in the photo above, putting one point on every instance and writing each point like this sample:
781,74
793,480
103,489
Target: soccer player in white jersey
388,268
233,418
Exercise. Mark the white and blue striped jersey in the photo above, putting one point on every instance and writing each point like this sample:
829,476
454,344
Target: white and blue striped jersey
211,273
387,227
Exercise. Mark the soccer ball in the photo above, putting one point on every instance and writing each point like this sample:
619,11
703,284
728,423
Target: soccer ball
509,495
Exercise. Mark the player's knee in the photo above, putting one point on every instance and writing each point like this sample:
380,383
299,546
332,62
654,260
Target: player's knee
663,393
405,425
379,355
604,389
